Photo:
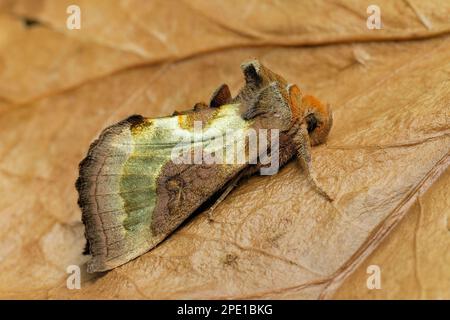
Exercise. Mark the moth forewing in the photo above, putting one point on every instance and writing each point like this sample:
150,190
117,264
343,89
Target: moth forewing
133,192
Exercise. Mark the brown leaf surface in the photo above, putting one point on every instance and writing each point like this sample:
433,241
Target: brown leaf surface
414,258
132,33
275,238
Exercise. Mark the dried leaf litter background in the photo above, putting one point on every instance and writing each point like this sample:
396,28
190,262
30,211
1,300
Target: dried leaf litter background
386,161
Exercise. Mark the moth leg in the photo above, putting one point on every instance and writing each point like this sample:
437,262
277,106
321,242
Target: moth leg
301,139
231,185
180,195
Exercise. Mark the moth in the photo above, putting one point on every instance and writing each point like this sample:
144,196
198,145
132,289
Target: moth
133,191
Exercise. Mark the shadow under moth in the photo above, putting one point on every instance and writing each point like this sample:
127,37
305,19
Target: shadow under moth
143,176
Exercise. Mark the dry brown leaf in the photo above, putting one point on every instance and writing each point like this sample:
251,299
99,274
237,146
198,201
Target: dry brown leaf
275,237
136,32
414,258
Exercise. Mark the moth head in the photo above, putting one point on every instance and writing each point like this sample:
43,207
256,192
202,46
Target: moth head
318,119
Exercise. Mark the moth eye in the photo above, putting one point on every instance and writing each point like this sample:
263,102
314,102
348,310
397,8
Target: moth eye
312,122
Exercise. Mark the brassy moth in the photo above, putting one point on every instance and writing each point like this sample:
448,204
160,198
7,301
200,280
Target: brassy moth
144,176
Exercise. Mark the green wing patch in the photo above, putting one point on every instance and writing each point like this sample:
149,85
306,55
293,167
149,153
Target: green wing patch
118,183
